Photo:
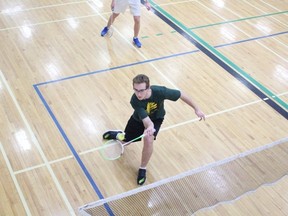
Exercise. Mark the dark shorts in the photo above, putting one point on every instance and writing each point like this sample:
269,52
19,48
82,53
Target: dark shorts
135,129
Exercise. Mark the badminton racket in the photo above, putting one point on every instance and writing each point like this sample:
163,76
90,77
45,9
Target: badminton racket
114,149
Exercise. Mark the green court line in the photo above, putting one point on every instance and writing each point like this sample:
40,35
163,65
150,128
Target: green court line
238,20
269,93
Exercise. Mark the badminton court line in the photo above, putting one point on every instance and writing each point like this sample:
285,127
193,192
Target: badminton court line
37,145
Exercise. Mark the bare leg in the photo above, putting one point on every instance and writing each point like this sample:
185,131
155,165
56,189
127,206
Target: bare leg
136,26
147,150
112,19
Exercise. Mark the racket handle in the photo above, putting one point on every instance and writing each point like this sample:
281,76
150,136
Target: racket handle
127,143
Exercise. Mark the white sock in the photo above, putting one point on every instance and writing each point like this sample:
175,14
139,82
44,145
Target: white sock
142,167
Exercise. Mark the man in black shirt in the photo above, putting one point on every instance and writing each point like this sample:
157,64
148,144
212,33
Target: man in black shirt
148,104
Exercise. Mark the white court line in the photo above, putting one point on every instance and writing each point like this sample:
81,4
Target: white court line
182,175
47,22
195,119
271,6
42,165
213,114
186,122
272,17
178,2
162,129
51,21
37,145
54,21
20,193
273,38
16,10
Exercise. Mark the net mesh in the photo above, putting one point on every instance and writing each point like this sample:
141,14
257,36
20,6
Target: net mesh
111,150
198,189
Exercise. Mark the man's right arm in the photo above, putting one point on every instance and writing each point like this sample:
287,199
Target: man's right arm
149,126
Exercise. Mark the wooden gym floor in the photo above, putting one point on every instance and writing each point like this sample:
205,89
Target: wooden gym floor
62,86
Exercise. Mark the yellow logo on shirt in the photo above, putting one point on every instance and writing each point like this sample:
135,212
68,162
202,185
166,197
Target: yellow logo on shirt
151,107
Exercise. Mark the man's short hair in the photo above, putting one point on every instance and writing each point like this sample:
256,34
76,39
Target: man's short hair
142,78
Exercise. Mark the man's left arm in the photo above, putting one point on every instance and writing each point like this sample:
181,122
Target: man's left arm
188,100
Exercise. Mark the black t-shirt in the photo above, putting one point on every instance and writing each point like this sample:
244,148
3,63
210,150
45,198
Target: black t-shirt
153,106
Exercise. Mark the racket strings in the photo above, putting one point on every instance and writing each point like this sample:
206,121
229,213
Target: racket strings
112,150
110,32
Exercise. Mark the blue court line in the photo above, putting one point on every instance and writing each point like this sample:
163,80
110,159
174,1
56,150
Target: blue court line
75,154
156,59
256,38
114,68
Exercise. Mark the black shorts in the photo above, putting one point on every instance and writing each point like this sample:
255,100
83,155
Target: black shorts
135,129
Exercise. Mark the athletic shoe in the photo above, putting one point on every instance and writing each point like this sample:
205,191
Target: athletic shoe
104,31
114,134
137,42
141,176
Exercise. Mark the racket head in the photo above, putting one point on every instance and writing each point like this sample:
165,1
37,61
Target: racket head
112,150
110,32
